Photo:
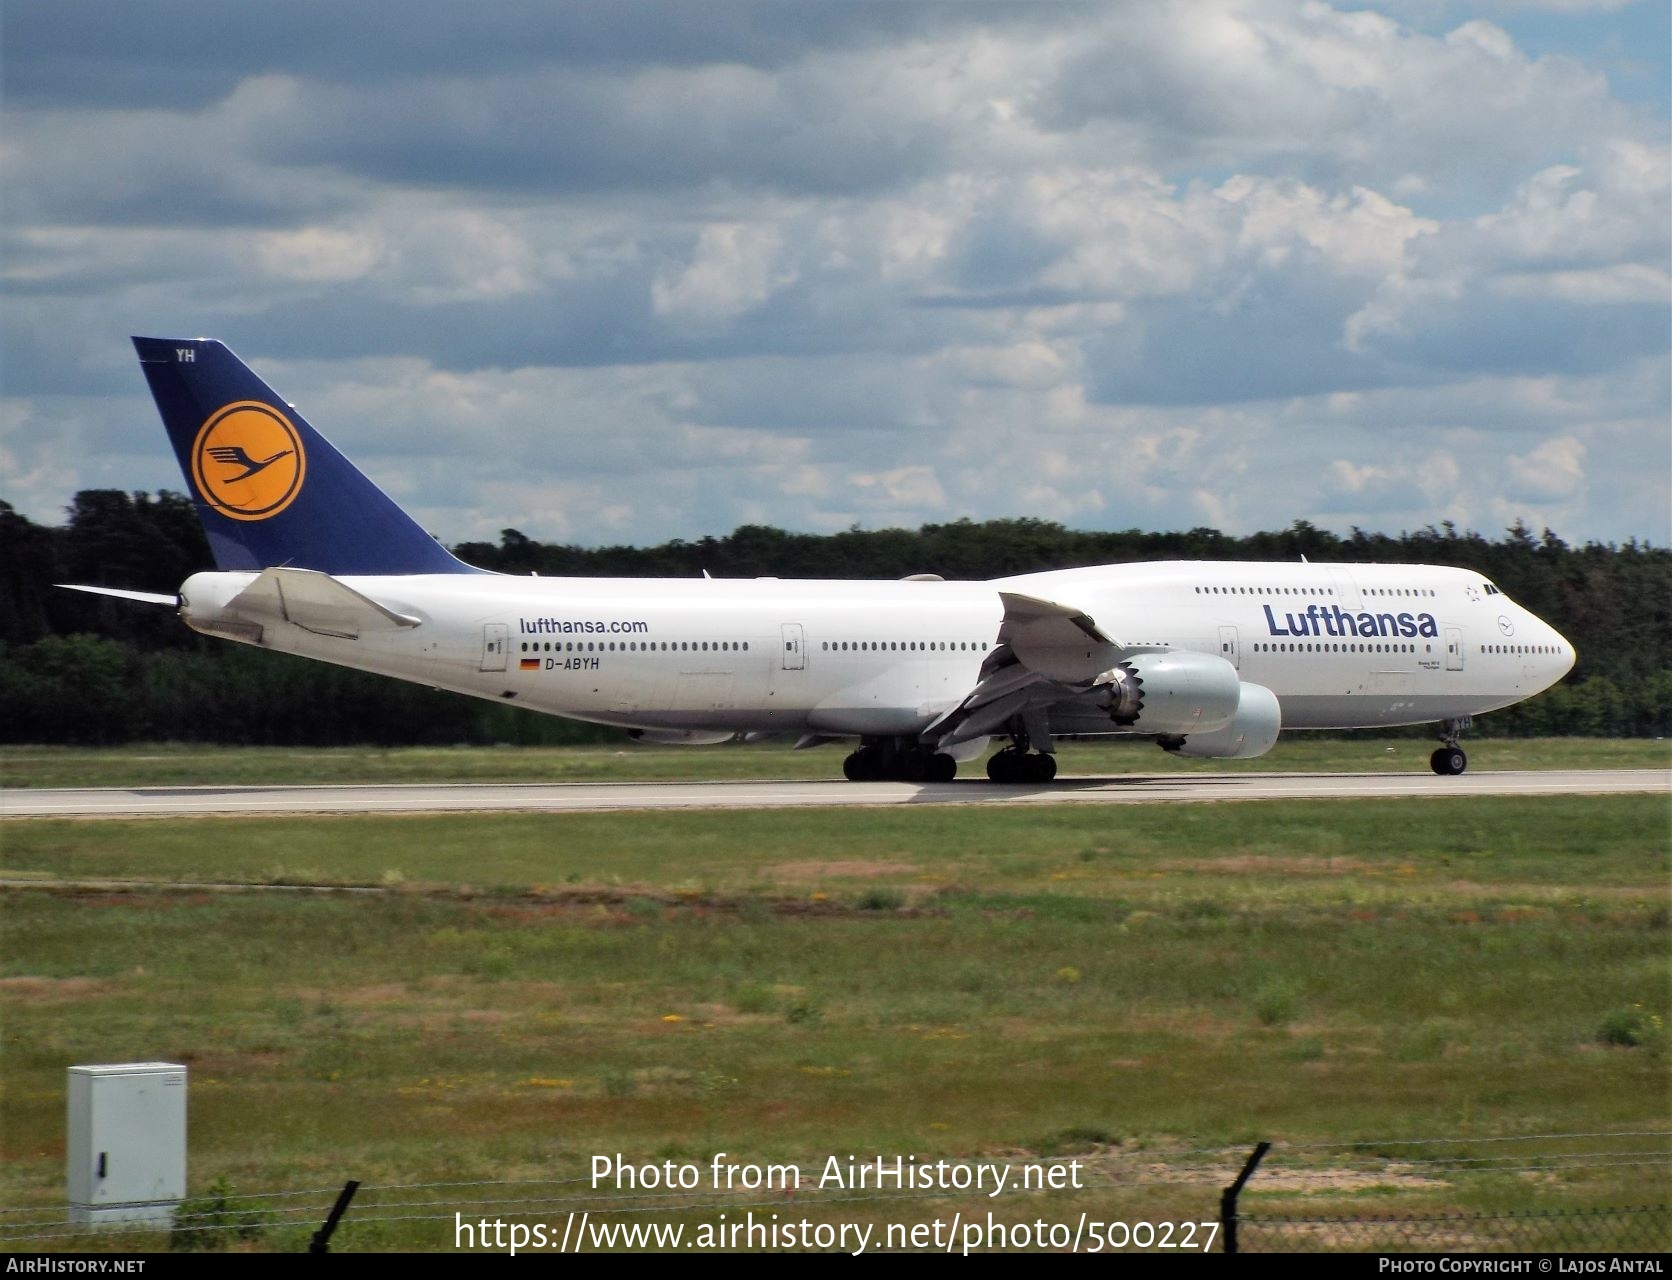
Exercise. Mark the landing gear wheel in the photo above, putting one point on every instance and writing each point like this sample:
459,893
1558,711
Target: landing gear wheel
861,766
940,767
1011,766
1448,761
1005,766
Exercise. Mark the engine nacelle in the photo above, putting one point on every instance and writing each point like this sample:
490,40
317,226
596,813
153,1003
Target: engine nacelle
1251,732
1174,692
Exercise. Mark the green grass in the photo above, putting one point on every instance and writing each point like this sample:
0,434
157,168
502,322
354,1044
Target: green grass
523,991
422,1039
176,765
1207,855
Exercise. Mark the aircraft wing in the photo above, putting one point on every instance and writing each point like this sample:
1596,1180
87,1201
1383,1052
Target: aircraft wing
1059,640
316,602
1048,651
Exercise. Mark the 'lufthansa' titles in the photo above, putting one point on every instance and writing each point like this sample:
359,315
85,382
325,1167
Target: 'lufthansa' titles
1333,620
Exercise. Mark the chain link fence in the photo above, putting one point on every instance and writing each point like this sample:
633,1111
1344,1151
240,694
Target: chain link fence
1644,1229
1282,1197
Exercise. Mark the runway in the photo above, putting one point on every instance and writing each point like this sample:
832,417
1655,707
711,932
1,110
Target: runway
581,797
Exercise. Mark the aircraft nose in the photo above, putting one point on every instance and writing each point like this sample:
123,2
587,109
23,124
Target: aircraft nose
1558,656
1565,651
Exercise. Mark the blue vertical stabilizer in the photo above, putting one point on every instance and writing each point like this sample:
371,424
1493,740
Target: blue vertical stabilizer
270,490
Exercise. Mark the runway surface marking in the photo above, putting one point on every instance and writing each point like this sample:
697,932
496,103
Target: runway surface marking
582,797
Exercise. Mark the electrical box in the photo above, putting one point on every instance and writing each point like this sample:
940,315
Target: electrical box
127,1142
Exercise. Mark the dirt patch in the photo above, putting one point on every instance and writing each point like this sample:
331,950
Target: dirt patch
1333,1181
379,994
1262,864
836,869
632,907
50,990
228,1064
623,905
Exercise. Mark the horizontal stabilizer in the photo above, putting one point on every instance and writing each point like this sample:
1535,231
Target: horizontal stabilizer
144,597
316,602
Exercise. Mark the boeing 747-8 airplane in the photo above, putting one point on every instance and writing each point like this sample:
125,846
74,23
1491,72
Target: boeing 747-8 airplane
1210,659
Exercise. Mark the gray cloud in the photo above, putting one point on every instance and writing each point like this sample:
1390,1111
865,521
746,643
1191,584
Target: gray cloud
652,270
179,54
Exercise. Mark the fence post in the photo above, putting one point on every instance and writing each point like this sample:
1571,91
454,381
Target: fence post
321,1242
1228,1197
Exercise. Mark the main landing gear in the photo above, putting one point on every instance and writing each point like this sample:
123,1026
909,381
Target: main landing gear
889,760
1449,759
1016,763
1012,765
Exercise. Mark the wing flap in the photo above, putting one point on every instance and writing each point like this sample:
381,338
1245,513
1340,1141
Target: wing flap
1048,651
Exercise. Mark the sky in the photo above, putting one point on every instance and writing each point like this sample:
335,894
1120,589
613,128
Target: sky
629,272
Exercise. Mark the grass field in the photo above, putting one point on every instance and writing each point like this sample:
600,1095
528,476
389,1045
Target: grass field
174,765
503,996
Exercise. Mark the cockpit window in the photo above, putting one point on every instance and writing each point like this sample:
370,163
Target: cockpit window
1492,590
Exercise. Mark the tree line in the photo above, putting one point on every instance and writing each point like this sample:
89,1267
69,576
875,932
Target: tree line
76,668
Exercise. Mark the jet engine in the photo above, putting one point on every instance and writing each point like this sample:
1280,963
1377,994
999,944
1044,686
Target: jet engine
1251,732
1173,691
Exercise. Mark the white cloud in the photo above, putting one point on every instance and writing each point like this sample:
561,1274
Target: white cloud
733,268
317,254
1552,472
914,488
1226,262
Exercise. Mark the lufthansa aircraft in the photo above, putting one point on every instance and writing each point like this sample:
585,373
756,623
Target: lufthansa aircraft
1210,659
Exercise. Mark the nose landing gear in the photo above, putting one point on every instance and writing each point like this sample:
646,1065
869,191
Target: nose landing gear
1449,759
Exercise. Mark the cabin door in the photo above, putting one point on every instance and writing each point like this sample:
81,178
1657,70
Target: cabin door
793,647
496,646
1228,647
1454,648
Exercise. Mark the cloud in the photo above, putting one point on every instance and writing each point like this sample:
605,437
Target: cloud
1337,97
1570,275
653,270
732,269
1553,471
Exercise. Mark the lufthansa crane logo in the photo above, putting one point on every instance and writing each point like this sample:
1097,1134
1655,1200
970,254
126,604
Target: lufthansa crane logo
248,462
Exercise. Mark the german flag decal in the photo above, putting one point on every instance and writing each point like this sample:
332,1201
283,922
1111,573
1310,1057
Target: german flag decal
530,664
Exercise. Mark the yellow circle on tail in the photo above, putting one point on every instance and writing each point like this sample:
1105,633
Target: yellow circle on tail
248,462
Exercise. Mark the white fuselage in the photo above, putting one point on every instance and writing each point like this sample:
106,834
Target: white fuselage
1341,646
